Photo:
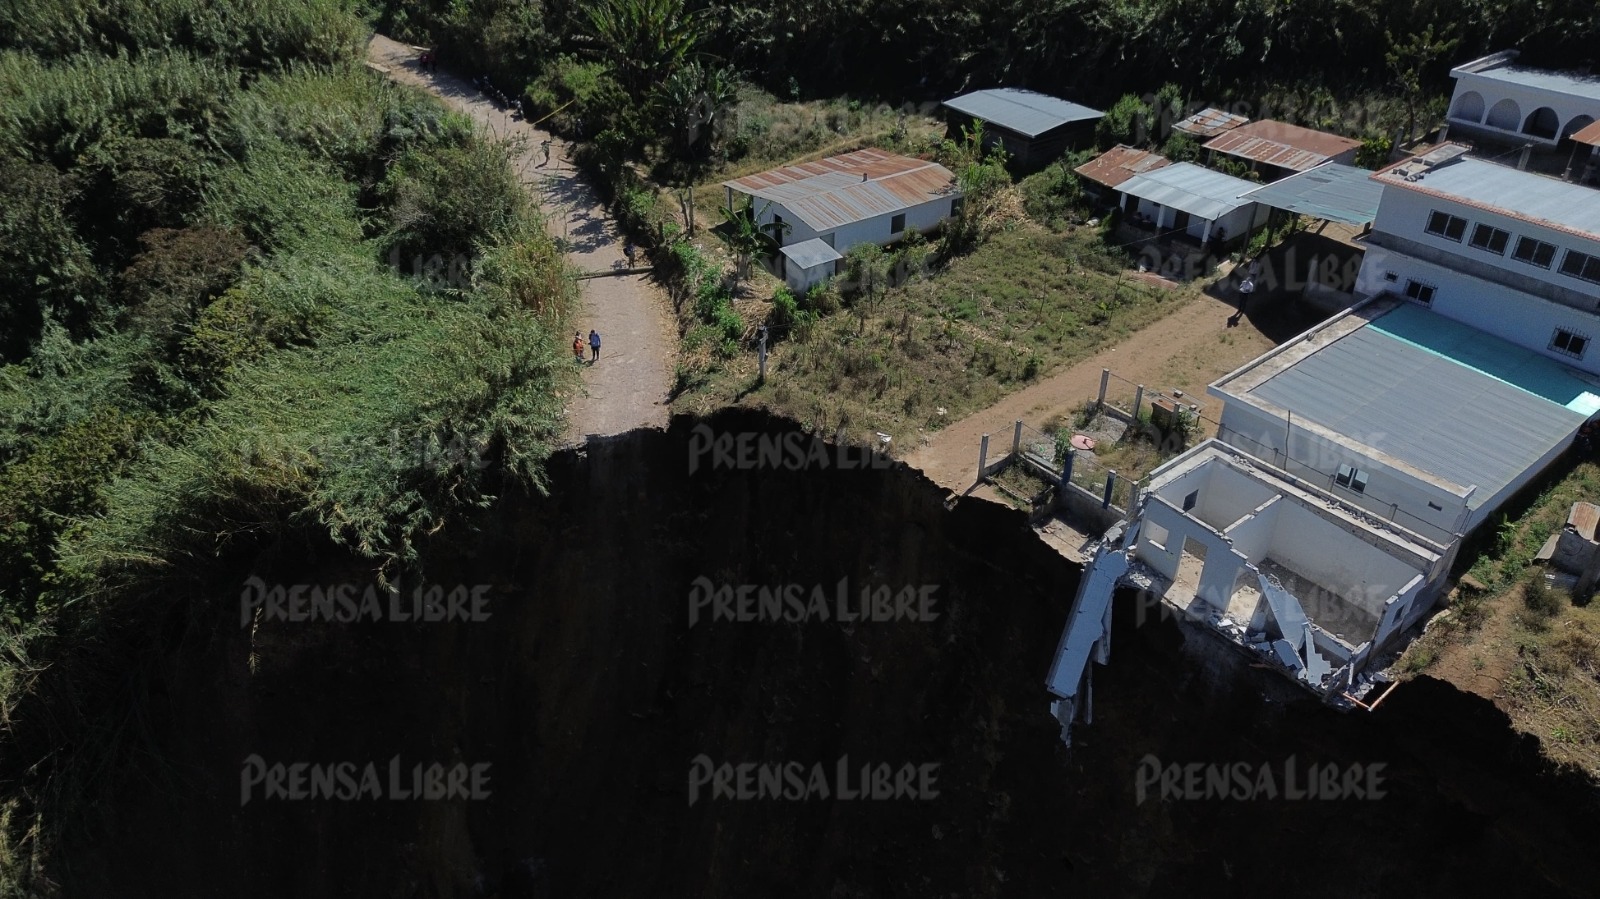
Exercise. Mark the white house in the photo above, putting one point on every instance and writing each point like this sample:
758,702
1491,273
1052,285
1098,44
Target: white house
1415,418
1194,200
869,196
1506,251
1274,563
1497,99
1350,462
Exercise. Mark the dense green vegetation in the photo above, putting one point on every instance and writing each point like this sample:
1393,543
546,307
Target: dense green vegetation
212,334
1217,49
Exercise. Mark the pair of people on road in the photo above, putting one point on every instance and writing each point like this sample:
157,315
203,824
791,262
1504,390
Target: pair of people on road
594,346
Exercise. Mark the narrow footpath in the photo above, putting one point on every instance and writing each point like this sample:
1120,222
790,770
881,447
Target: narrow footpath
628,387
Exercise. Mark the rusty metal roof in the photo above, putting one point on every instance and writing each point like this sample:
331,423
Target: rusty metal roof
850,188
1210,122
1589,135
1120,163
1281,144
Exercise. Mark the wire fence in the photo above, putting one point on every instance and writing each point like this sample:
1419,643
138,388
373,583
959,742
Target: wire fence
1053,452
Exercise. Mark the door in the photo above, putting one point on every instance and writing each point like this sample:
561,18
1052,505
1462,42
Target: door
1180,220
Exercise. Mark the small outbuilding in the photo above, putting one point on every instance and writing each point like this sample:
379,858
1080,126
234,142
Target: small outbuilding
808,263
1034,129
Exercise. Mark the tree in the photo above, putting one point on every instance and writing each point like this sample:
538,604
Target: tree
868,267
645,41
1129,121
981,176
748,238
1409,61
695,106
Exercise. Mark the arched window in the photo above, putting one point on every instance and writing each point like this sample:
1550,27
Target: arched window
1506,115
1469,107
1542,122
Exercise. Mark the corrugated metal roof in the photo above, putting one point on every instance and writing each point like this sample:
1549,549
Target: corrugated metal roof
1120,163
1443,397
1281,144
1332,191
1570,83
1026,112
1528,196
811,253
850,188
1589,135
1210,122
1194,189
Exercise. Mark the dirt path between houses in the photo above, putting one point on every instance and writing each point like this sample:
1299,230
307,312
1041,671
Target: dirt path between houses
1186,350
628,387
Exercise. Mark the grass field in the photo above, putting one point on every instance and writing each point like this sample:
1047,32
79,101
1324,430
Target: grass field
1023,304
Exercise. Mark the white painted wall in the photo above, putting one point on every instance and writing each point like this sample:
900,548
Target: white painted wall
1404,213
801,280
1235,223
924,217
1525,99
1357,571
1252,535
1524,319
1230,495
1316,459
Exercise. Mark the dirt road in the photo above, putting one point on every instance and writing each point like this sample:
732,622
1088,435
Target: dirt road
628,387
1187,349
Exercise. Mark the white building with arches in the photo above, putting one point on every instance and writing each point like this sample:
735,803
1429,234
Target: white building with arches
1501,101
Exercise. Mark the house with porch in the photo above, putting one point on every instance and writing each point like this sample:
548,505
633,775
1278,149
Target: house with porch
1198,203
1496,99
817,211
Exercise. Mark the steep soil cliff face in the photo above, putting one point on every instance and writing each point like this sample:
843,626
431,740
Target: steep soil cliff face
590,693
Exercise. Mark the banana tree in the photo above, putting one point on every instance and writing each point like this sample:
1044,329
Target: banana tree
748,238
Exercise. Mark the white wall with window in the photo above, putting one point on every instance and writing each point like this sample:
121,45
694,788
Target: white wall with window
1523,319
1348,468
1525,249
882,229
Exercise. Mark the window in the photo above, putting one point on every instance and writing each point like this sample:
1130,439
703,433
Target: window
1569,342
1534,252
1391,277
1446,226
1581,265
1156,534
1190,500
1490,239
1351,478
897,224
1422,293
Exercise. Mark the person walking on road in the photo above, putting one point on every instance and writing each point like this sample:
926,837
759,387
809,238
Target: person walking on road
546,147
577,347
628,251
594,345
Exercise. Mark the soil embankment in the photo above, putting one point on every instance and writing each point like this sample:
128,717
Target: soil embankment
589,692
